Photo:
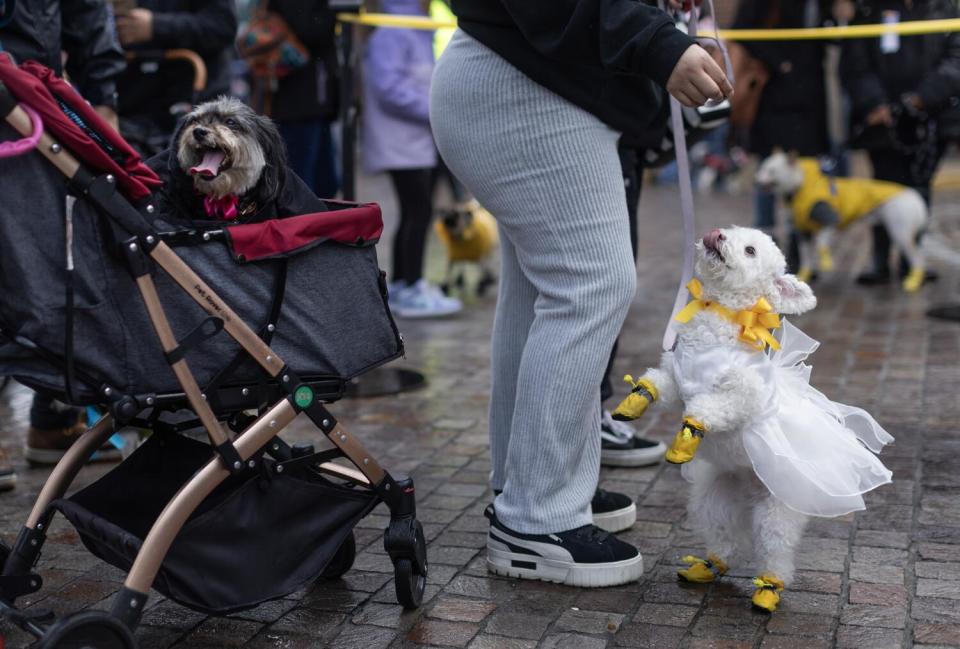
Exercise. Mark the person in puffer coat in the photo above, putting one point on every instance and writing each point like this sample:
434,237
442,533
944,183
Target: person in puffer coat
901,85
397,139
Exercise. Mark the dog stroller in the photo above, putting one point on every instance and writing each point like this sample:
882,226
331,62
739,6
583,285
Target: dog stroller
109,304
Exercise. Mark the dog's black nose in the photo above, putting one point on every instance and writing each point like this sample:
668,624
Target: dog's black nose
200,134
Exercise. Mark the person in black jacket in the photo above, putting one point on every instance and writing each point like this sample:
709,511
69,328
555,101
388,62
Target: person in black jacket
207,27
41,30
154,95
528,102
792,113
899,85
306,100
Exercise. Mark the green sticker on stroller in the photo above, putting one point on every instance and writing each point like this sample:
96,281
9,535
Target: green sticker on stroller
303,396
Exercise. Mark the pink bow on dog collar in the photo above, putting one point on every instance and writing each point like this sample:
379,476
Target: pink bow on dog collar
222,208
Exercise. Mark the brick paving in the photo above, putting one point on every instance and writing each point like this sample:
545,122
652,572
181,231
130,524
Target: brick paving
887,577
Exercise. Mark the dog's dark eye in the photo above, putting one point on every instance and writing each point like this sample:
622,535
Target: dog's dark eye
750,251
230,122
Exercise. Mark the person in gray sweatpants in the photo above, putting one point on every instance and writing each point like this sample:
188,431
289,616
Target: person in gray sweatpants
548,170
567,280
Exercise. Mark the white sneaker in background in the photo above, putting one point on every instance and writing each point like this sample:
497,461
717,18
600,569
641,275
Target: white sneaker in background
422,300
619,445
393,290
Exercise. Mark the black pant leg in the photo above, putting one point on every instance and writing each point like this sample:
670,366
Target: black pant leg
631,162
414,188
892,166
895,166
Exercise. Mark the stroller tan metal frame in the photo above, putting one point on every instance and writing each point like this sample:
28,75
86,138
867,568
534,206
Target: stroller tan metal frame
404,538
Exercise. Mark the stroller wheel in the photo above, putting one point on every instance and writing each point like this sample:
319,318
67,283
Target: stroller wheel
410,586
409,582
88,630
342,561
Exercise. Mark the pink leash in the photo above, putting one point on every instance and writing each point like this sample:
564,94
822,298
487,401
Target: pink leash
27,144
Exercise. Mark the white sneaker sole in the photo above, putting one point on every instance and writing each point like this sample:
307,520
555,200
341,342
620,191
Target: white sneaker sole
46,457
501,561
415,314
8,481
633,457
616,520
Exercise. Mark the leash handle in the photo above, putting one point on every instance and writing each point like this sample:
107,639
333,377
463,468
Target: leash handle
686,202
27,144
687,210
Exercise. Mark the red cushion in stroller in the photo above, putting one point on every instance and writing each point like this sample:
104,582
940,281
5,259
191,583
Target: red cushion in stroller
51,96
358,225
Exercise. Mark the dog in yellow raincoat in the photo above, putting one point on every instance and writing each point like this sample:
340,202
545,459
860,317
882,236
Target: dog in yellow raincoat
469,234
822,205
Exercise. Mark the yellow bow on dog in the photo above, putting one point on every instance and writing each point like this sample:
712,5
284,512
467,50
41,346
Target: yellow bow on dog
755,323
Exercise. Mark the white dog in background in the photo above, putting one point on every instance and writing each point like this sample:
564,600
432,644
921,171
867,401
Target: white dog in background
762,448
821,205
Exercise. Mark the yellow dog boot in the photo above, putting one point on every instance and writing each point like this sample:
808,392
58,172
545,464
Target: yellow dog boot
702,571
686,442
914,280
767,595
643,394
826,259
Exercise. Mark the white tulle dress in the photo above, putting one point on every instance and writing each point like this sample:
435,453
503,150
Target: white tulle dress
814,454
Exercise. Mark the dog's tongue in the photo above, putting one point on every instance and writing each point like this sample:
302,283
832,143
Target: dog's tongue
210,165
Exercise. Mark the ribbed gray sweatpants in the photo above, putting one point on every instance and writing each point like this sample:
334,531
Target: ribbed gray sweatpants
549,172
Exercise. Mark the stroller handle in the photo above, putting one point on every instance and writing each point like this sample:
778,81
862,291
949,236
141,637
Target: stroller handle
22,122
179,54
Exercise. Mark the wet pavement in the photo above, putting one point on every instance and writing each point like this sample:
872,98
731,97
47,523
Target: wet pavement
886,577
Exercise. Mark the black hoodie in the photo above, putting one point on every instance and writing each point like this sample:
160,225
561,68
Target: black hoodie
42,29
606,56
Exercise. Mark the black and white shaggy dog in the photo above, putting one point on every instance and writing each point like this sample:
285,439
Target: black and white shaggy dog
225,162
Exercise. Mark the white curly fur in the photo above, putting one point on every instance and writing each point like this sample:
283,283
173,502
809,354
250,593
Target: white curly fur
733,511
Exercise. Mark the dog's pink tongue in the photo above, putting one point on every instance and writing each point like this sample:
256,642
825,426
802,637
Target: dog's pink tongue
210,165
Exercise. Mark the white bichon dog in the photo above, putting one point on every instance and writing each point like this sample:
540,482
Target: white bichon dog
762,448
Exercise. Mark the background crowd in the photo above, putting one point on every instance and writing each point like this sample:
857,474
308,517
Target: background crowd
898,98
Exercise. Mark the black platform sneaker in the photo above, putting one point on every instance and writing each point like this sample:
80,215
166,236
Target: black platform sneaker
620,447
613,512
586,556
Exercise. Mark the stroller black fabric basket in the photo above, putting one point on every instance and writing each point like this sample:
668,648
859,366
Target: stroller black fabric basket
334,322
255,538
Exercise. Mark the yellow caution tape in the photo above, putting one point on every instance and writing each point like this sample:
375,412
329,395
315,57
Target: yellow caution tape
393,20
908,28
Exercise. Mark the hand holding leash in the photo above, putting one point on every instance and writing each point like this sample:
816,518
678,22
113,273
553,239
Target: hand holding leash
697,79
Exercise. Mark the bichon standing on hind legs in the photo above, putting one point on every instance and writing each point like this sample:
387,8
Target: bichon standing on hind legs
762,448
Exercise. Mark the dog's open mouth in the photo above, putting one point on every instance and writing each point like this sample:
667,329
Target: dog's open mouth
712,245
212,163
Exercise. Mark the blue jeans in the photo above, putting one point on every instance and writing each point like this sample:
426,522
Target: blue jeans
311,154
764,210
